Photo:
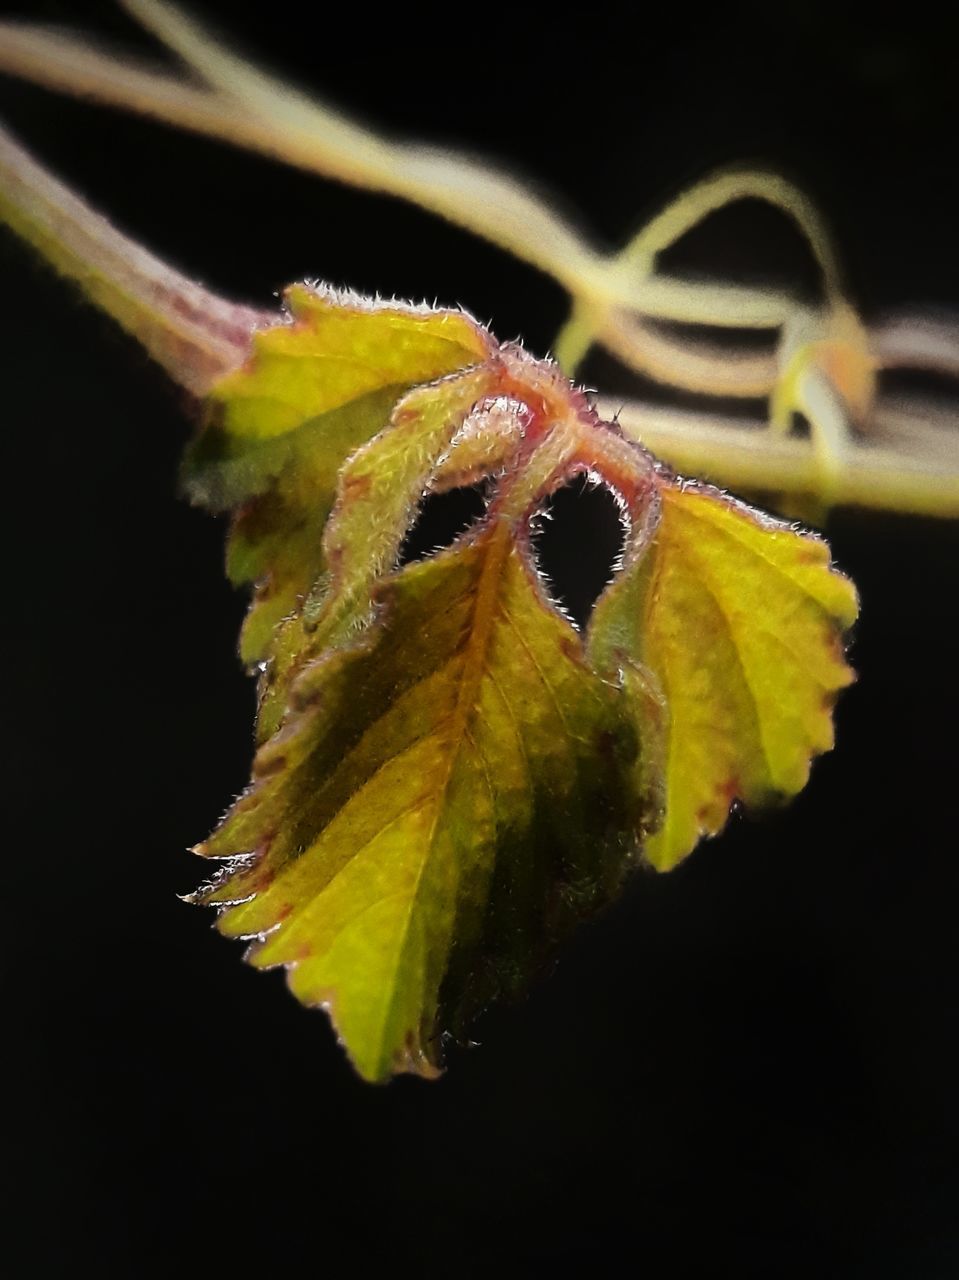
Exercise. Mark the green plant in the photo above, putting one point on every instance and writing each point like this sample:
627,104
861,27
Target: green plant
449,773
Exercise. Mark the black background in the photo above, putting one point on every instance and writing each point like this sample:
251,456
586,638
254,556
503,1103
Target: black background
748,1066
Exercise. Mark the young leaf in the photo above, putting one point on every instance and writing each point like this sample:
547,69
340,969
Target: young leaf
377,491
437,817
279,429
431,816
450,773
741,619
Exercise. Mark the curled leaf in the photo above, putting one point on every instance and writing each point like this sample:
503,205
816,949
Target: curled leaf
279,429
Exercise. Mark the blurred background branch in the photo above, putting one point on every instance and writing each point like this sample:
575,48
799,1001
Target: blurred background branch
824,433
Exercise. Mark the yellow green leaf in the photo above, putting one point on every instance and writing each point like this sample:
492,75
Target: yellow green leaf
279,429
434,818
377,493
741,619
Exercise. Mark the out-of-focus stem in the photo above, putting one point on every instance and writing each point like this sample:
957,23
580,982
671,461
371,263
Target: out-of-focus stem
689,363
750,458
239,104
918,341
195,335
692,364
617,298
723,189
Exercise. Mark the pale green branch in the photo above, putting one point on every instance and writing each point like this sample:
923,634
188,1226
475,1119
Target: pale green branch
918,341
247,108
748,458
194,334
723,189
618,299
